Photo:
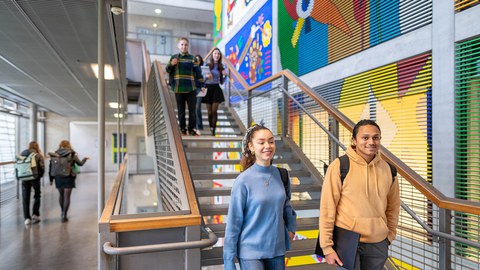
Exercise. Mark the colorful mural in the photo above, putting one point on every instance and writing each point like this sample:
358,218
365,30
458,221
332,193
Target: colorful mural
315,33
236,10
217,21
250,50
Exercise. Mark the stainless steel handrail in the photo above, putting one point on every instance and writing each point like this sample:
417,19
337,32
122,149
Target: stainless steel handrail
212,239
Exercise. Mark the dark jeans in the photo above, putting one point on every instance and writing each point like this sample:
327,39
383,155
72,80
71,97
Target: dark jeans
277,263
371,256
26,194
191,99
198,112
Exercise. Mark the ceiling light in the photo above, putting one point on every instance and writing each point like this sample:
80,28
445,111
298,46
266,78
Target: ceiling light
158,11
114,105
116,115
154,25
108,72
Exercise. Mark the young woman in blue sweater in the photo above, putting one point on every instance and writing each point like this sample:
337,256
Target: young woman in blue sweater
261,222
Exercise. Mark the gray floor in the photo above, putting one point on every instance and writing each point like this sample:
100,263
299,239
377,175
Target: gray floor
52,244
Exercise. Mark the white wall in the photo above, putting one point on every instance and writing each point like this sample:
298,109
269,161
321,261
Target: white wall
84,141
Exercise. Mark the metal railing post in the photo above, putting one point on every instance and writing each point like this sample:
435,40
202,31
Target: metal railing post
249,109
333,126
229,88
445,246
285,107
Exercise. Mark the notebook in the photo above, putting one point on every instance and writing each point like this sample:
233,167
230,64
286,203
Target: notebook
345,243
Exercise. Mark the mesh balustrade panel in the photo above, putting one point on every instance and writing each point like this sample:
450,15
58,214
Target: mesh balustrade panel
172,191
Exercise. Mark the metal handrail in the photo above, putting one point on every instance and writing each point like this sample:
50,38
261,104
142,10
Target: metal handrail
212,239
435,232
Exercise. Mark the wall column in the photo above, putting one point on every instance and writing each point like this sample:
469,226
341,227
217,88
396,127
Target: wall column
443,96
33,122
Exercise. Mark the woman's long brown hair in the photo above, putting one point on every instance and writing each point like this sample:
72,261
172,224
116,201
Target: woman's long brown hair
248,158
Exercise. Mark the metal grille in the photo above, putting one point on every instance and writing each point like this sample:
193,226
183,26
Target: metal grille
172,191
461,5
342,30
8,183
467,158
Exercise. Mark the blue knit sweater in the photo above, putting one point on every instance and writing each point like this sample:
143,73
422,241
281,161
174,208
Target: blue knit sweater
255,224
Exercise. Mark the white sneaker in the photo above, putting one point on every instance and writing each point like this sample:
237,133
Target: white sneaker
27,221
35,219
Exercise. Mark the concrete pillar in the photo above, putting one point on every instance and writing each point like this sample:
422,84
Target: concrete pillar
443,96
33,122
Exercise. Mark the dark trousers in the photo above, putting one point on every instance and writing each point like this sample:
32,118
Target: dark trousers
191,99
26,194
371,256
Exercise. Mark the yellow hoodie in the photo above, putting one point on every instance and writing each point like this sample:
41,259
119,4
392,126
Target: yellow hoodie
368,202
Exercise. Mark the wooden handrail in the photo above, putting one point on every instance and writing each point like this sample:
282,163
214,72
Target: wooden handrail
429,191
112,198
7,163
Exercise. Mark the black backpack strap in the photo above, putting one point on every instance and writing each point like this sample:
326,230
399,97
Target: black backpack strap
344,167
285,180
393,170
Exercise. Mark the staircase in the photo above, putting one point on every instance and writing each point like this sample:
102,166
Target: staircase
214,166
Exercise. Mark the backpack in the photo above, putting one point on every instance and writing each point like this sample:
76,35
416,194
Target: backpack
60,166
26,167
285,180
345,167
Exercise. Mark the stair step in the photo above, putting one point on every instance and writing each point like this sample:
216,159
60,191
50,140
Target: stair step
303,224
236,161
222,209
193,149
214,256
233,175
225,191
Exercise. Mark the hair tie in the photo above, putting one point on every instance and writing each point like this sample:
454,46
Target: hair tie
245,140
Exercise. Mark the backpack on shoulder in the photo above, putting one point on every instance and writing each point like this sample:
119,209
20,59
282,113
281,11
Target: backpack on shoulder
26,167
60,166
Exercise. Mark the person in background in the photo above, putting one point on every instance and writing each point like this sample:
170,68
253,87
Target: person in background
185,78
261,221
214,95
27,185
367,202
66,184
198,107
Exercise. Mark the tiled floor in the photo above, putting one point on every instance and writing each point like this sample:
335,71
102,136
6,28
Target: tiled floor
52,244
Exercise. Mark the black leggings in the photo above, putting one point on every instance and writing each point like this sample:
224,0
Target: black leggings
213,114
64,199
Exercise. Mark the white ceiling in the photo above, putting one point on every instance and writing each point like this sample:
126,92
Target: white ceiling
47,46
191,10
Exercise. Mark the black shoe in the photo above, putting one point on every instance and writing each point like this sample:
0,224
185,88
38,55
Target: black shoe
64,217
184,132
193,133
213,131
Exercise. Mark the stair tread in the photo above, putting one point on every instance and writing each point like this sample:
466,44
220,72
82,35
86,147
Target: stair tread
303,224
233,175
222,209
237,161
299,247
225,191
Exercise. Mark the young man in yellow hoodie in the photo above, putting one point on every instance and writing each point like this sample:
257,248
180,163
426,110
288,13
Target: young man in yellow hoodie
367,202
